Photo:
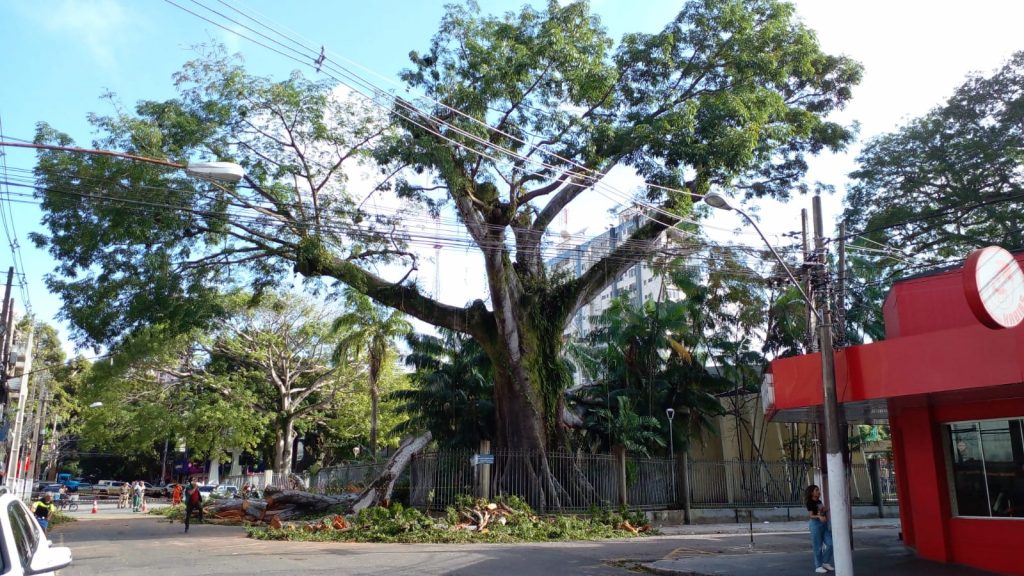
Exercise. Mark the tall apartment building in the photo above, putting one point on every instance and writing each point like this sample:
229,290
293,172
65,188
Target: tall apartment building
641,282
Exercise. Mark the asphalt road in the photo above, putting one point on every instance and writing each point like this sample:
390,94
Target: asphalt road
134,544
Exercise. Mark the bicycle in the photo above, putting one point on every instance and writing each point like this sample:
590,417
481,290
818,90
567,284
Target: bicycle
67,504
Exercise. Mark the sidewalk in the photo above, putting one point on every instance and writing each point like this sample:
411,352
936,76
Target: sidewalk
784,548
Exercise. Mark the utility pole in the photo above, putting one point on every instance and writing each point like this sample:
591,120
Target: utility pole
36,447
838,500
841,292
13,472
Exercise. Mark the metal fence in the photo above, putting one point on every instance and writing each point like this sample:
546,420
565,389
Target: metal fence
743,483
345,477
585,480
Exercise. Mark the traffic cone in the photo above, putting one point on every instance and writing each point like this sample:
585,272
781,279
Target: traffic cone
95,506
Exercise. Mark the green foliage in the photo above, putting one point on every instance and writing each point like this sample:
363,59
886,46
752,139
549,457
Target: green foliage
408,525
732,93
615,517
451,393
942,185
644,359
57,518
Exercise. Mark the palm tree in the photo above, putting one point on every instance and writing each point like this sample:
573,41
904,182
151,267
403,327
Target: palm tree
453,390
645,363
370,328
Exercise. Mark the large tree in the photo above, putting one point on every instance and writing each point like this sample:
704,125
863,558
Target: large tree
942,185
527,112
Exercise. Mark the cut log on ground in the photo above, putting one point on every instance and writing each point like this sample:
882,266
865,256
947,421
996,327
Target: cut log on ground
378,493
280,505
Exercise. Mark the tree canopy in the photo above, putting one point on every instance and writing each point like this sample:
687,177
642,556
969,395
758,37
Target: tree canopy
522,115
941,186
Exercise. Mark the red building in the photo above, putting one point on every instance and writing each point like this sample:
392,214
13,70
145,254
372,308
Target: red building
952,388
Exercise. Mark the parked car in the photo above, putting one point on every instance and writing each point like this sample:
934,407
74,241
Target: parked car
66,479
25,548
206,490
152,490
225,491
109,486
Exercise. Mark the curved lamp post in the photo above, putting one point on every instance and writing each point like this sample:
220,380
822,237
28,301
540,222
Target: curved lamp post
218,171
670,414
837,482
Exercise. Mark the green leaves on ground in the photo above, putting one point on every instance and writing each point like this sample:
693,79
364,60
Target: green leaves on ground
410,526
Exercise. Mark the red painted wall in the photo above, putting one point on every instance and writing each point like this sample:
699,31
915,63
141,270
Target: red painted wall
929,304
923,487
938,365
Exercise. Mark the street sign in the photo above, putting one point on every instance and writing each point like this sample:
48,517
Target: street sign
478,459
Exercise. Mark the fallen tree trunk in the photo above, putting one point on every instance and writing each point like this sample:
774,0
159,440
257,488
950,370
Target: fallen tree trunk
315,502
378,493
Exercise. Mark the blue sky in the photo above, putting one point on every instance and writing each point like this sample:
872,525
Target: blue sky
62,55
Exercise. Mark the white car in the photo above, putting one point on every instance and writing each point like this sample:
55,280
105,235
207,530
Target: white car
25,549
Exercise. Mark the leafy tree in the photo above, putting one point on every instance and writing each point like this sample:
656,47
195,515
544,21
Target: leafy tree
939,187
732,93
288,345
371,328
153,391
452,392
348,426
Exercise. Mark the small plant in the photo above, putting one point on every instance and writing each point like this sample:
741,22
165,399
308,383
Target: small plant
57,518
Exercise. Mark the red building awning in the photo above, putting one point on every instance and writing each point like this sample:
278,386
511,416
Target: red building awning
934,345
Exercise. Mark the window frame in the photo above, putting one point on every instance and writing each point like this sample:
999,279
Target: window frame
951,462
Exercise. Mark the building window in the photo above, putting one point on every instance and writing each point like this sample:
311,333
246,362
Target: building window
987,467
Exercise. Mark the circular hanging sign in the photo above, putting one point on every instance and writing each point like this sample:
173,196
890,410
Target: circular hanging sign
994,285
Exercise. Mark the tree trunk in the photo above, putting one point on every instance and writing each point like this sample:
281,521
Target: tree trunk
374,411
378,493
529,384
283,445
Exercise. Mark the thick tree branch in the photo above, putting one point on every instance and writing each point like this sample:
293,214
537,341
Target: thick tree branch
633,249
404,298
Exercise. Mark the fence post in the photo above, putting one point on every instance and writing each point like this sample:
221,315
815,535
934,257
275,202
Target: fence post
876,487
620,468
484,477
684,484
730,475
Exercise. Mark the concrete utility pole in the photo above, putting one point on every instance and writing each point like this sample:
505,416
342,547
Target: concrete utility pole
13,470
838,500
36,445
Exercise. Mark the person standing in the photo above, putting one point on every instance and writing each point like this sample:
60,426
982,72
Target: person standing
193,501
136,497
821,531
42,510
176,495
126,490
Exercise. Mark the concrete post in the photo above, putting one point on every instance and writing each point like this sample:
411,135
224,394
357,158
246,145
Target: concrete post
620,474
484,478
876,486
684,485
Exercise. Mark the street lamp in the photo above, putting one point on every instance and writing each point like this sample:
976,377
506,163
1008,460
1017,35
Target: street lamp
228,172
837,484
670,414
